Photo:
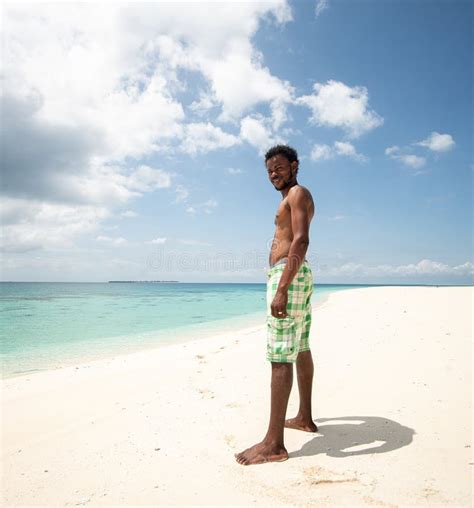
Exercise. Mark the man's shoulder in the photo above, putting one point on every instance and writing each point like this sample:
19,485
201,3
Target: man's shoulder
298,192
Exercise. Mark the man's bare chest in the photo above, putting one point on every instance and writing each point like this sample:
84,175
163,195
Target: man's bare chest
283,216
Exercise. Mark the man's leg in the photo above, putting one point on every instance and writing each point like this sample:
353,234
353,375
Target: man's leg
272,448
305,371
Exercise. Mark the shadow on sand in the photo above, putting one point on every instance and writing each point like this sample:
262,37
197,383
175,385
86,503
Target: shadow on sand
346,436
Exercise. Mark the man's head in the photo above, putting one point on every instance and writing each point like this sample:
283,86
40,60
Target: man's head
282,166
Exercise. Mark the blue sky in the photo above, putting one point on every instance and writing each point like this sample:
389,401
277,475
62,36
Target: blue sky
134,136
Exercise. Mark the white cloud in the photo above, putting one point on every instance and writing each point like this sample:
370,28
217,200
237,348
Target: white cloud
32,225
204,137
321,5
92,88
411,160
437,142
157,241
428,267
209,205
392,150
421,172
234,171
279,114
414,161
240,91
147,179
206,207
110,185
335,104
129,214
203,105
321,152
257,131
62,155
182,194
422,268
348,150
68,153
336,217
104,85
119,65
118,240
216,46
345,149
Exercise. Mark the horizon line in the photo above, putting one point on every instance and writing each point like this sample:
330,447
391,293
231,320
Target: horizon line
263,283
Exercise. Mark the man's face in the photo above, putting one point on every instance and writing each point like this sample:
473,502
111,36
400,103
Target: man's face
280,171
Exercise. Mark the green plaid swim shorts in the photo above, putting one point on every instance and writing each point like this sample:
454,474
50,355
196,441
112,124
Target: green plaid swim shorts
288,336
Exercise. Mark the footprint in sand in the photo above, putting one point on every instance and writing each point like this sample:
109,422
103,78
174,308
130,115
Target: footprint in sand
201,358
319,476
229,440
233,405
427,492
206,394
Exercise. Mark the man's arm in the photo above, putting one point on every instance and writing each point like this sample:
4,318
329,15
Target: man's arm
298,203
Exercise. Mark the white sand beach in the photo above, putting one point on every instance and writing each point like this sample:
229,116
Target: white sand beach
392,398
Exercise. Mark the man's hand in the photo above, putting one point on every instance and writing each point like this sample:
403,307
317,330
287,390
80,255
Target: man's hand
279,303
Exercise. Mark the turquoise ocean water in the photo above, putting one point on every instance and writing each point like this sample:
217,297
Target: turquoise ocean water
49,325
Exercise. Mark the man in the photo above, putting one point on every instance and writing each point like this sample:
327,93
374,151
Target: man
289,289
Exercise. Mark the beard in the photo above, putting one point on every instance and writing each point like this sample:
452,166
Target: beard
281,184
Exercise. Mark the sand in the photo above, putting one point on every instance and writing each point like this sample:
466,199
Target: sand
392,398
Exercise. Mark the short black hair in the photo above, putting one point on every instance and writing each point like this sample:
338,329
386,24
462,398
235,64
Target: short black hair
285,150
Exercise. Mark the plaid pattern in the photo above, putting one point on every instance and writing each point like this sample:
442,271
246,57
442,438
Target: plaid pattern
288,336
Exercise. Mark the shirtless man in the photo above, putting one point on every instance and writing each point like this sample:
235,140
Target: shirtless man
289,289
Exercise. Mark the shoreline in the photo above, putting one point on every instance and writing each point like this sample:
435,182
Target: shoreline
160,427
98,362
158,339
217,328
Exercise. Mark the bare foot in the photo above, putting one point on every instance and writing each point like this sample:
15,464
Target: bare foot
299,424
260,453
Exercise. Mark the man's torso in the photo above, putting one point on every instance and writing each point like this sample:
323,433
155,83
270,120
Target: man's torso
283,233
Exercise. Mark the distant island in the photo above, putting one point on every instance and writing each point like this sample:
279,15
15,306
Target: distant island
147,281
